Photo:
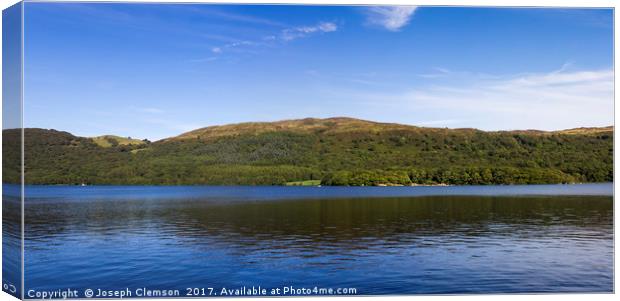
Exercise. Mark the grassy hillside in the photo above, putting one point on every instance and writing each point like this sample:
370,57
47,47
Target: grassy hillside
111,140
335,151
307,125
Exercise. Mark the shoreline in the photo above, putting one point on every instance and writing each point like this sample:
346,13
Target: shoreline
310,186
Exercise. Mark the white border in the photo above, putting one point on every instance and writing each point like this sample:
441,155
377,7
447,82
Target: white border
496,3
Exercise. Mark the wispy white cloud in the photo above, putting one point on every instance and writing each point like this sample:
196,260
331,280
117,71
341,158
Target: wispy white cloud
290,34
554,100
285,35
392,18
235,46
560,80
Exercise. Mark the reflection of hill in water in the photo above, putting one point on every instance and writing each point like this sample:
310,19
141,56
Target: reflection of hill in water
11,243
378,245
344,222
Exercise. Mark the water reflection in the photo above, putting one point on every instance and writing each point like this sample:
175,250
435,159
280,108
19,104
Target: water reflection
11,244
439,244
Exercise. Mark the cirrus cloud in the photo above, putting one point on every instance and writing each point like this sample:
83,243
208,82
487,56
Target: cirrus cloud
285,35
392,18
554,100
303,31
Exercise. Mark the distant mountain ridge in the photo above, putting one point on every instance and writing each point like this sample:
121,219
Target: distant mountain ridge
342,124
332,151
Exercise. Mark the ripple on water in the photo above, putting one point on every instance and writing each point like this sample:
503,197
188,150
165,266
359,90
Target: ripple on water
442,244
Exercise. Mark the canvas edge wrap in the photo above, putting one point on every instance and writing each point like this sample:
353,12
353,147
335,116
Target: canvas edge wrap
12,116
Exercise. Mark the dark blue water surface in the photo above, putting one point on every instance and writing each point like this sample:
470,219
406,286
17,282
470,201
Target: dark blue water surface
378,240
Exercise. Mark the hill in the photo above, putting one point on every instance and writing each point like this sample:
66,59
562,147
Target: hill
112,140
334,151
307,125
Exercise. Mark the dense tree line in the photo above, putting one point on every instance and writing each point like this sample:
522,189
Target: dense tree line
396,156
452,176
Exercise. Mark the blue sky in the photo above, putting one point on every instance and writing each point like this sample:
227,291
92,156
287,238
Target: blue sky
153,71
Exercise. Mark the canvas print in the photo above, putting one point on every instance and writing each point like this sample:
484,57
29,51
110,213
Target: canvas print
167,150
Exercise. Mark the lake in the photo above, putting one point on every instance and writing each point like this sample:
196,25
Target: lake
377,240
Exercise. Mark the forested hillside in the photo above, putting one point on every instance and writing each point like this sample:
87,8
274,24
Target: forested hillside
336,151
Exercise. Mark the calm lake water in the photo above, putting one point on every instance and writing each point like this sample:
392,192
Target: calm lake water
378,240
